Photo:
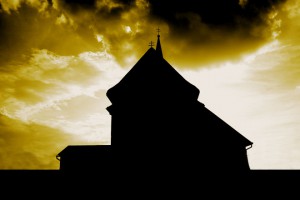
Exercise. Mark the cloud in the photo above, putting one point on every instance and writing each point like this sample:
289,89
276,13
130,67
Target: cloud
228,15
107,20
209,31
45,76
29,145
8,5
243,3
260,98
280,67
67,28
51,97
105,7
46,70
205,31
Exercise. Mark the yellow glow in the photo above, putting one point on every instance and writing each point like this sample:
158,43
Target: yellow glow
99,37
108,4
61,20
243,2
127,29
274,45
8,5
57,64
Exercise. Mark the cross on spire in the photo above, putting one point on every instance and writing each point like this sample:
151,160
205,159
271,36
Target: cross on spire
151,44
158,31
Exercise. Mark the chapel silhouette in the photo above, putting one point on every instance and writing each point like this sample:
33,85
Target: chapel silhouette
159,124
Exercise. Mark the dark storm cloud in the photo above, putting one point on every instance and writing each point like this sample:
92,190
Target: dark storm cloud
26,28
111,8
92,3
225,14
206,31
81,3
77,5
213,31
209,11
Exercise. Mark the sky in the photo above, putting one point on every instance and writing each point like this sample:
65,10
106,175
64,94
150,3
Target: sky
59,57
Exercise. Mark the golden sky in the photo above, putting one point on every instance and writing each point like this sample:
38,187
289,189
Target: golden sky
59,57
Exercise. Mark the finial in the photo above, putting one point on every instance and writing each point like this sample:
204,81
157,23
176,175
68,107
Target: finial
151,44
158,31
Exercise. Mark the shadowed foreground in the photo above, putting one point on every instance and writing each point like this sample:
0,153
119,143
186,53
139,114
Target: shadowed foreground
54,181
23,176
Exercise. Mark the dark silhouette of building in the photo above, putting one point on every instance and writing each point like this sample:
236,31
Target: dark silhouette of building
158,124
84,157
156,118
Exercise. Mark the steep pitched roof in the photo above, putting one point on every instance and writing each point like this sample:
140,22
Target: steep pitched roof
219,127
152,77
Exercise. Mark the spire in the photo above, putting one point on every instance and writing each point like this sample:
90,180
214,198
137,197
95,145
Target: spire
158,47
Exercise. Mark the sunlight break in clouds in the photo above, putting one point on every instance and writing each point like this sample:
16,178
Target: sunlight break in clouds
251,97
67,83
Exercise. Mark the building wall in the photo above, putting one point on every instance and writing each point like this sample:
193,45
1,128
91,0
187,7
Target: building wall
175,137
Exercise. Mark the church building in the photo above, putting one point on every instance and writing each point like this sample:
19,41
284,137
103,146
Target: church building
159,124
157,118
